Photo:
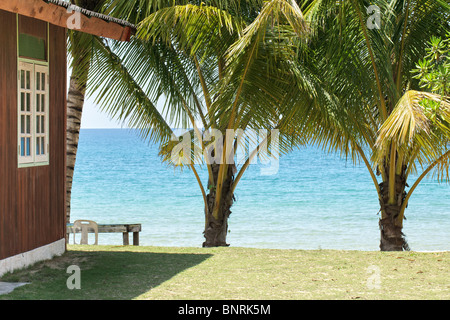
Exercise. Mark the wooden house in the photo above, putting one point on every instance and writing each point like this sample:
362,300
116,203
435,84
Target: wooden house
33,89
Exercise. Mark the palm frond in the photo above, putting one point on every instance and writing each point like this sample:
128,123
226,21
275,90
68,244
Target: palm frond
420,126
193,29
122,97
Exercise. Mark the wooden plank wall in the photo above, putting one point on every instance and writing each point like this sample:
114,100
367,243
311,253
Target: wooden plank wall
32,199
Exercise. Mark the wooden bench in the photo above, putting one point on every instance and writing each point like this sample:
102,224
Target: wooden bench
125,229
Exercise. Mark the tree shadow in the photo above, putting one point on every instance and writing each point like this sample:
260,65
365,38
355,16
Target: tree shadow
104,275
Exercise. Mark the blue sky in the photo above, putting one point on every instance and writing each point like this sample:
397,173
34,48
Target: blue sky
93,118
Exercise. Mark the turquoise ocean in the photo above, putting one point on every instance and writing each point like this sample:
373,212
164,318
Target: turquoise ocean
314,201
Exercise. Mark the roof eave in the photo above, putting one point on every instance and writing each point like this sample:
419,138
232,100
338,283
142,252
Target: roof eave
69,17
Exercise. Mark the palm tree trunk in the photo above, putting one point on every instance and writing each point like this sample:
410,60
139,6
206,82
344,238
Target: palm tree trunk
216,229
392,237
75,102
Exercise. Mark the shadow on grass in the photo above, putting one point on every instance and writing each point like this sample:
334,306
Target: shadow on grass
108,275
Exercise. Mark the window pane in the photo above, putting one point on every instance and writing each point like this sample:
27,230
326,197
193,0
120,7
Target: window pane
43,81
42,145
38,102
22,124
28,102
38,81
42,125
38,125
28,124
32,47
22,79
38,149
28,79
22,101
42,102
28,146
22,146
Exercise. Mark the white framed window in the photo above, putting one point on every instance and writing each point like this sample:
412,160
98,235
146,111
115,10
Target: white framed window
33,110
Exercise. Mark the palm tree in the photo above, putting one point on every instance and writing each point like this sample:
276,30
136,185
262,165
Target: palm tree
376,78
419,125
371,107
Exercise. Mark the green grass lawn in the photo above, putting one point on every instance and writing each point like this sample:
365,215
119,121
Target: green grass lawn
129,272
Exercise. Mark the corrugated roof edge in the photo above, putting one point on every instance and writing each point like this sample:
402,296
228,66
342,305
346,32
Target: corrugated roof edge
89,13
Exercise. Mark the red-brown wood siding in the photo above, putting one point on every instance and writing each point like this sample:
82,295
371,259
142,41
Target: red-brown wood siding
32,199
